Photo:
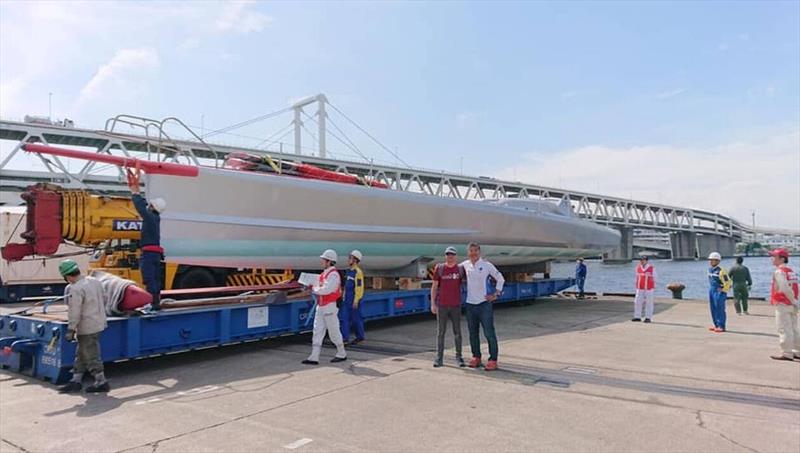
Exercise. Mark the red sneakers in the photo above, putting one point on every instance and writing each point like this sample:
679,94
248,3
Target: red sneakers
719,330
475,362
491,365
712,329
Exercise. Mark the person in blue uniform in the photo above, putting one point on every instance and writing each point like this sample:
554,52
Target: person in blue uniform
580,277
718,284
350,316
150,241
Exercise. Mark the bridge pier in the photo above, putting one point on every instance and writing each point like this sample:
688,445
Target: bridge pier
624,252
684,245
707,243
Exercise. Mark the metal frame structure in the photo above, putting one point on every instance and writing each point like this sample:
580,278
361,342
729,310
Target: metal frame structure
156,144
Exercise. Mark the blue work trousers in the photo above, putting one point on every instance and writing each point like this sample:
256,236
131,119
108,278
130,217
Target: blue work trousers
717,300
150,265
350,317
579,282
481,315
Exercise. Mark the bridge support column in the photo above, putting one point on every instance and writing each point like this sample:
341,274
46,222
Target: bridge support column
623,253
684,245
707,243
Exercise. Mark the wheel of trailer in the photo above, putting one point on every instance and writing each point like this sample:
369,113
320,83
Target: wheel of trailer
196,277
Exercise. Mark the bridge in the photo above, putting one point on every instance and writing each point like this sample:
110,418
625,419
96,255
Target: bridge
692,232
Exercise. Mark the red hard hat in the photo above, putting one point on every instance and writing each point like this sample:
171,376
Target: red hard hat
779,252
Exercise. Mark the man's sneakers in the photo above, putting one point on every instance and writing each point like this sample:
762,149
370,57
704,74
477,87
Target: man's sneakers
647,320
636,319
475,362
356,341
781,357
712,329
491,365
460,362
719,330
98,388
309,362
438,363
71,387
338,359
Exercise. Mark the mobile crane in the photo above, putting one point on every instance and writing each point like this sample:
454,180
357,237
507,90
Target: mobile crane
110,227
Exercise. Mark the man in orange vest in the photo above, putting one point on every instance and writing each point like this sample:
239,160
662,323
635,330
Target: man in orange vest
645,290
784,297
326,317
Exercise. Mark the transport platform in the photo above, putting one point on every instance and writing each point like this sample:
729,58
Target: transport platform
33,343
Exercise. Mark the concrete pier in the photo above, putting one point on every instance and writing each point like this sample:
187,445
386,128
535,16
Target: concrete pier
684,245
623,253
708,243
574,376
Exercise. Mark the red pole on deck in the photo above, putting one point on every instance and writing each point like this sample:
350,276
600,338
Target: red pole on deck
153,168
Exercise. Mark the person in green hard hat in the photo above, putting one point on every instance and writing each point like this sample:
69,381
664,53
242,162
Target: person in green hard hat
740,275
87,320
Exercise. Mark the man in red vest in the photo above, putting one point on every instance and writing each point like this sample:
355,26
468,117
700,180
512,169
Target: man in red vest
645,290
784,297
326,317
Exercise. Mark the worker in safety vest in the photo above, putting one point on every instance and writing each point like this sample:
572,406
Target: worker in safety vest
350,313
784,297
150,241
718,285
645,290
87,320
327,292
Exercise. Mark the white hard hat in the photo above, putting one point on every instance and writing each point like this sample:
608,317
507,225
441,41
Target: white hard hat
158,204
330,255
356,254
715,256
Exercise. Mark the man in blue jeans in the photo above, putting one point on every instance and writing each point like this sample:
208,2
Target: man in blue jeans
580,277
480,312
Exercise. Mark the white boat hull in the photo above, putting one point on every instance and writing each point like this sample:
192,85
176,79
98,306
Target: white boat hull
245,219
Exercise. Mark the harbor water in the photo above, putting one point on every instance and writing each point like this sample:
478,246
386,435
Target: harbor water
620,277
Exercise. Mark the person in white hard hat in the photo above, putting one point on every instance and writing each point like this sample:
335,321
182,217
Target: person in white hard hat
718,285
350,314
327,292
150,240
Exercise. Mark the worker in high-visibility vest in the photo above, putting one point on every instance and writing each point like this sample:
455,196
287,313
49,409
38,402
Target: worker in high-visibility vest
326,319
350,313
645,290
719,283
150,240
784,296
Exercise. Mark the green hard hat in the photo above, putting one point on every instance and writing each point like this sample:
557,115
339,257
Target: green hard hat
67,267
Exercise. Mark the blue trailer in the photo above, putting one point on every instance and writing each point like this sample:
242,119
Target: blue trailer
34,344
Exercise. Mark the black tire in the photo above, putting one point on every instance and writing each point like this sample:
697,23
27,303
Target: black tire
196,277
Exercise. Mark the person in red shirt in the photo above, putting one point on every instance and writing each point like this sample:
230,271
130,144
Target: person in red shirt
448,278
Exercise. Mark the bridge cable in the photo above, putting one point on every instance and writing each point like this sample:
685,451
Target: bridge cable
370,136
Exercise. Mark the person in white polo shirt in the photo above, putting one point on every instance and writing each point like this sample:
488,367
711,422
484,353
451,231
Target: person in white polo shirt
479,305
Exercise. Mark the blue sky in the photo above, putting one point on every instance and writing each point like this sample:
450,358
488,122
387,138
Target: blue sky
655,101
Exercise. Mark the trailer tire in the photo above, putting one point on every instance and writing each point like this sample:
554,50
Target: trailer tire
196,277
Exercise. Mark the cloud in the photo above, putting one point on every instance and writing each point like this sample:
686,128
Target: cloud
468,119
239,17
734,178
723,47
670,93
119,75
568,94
